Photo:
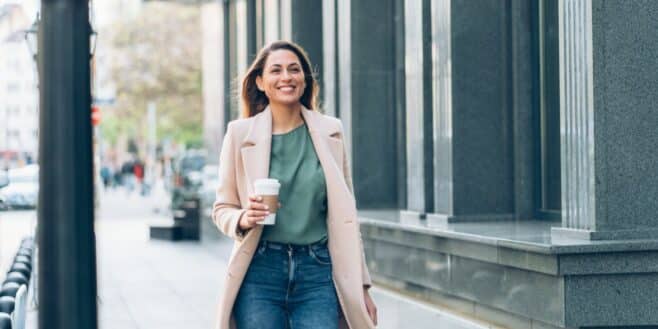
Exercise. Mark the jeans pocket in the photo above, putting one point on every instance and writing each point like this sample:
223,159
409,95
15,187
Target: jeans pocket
321,255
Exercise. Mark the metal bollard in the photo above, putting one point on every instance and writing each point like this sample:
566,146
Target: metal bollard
21,268
7,304
9,289
17,277
5,321
23,260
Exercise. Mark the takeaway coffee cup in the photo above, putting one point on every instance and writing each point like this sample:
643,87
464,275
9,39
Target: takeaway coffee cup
268,189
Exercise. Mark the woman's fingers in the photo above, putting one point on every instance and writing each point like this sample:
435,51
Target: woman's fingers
255,203
257,213
257,210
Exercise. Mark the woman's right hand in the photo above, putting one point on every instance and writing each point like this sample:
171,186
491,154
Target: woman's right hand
255,213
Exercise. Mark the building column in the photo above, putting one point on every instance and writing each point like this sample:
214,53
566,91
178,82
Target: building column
418,109
367,103
328,75
608,119
271,22
67,248
307,29
240,39
213,51
473,135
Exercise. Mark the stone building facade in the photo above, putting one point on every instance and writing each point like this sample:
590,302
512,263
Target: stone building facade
503,152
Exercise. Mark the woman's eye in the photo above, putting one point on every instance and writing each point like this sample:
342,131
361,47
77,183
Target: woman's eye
275,71
294,70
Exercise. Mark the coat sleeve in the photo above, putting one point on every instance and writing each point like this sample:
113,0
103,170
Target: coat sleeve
367,282
227,209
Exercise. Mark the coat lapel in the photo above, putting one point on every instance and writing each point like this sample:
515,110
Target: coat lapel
330,153
324,136
256,148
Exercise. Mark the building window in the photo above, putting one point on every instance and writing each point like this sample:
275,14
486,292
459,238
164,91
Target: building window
550,202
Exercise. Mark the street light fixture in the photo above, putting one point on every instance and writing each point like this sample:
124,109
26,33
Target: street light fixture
31,37
93,36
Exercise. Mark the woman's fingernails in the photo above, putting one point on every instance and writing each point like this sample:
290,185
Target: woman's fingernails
267,207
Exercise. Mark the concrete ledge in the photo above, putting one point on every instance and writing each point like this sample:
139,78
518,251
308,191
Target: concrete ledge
517,284
529,235
517,291
570,233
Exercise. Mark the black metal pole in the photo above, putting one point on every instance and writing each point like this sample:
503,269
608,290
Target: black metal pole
67,254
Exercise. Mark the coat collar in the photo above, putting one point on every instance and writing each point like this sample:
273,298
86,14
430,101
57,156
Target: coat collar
258,142
260,130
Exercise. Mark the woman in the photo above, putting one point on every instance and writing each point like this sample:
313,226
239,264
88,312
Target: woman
308,270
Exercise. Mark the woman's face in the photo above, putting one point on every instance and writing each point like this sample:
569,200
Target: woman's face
283,78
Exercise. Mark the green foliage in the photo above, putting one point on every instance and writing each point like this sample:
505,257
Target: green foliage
157,58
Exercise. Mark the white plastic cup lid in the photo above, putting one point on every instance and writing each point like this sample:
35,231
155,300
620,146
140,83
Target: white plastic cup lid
269,182
267,186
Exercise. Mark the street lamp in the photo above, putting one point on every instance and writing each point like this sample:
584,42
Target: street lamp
93,35
31,38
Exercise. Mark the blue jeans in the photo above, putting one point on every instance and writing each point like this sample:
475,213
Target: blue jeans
288,286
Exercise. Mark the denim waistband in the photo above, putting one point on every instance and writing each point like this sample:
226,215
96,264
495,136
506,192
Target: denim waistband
289,246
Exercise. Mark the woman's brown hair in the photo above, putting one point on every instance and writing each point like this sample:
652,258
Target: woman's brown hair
255,101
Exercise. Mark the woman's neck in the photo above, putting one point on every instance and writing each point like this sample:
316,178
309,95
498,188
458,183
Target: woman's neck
285,117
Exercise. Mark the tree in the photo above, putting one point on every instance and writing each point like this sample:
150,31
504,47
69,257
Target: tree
157,58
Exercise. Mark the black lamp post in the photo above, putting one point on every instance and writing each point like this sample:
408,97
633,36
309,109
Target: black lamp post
67,247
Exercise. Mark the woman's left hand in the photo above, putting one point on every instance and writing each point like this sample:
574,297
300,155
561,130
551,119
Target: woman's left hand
370,306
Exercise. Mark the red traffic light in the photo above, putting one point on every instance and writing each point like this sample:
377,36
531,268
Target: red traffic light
95,115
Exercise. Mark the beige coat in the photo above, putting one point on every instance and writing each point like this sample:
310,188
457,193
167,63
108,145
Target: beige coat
245,157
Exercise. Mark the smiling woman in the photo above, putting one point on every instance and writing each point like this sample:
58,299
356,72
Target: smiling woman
315,238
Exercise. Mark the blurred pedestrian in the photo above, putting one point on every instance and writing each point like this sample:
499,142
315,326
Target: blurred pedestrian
317,242
138,171
106,175
128,175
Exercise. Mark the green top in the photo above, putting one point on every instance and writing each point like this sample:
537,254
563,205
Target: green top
302,219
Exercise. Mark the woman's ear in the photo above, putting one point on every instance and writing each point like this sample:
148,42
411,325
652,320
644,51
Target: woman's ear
259,83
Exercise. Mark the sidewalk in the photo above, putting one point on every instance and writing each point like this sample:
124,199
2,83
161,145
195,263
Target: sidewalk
156,284
149,284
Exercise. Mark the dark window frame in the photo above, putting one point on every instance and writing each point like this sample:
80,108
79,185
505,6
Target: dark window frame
548,196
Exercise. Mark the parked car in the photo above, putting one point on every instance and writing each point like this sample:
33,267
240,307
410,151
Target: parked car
188,176
23,189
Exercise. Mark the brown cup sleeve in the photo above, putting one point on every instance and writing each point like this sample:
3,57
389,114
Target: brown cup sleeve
272,201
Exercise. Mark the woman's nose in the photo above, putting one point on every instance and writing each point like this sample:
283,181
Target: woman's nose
286,75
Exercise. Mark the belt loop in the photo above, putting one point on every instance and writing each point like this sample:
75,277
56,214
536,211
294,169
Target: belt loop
263,245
